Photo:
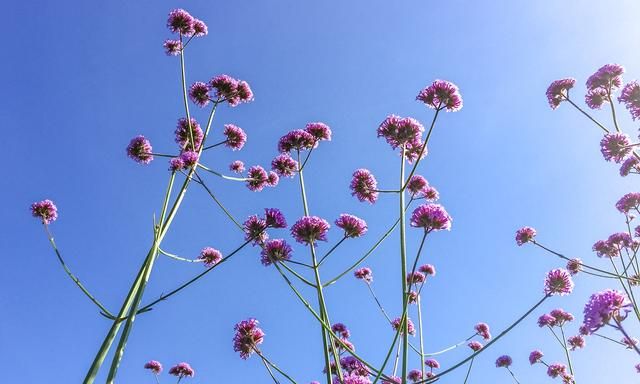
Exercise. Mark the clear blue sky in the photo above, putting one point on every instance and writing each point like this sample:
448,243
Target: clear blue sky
79,79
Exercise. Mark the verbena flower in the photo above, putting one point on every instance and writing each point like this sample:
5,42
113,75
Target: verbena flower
199,28
558,282
615,147
441,94
561,316
320,131
630,165
629,342
182,370
255,229
364,273
482,330
272,179
236,137
535,356
45,210
416,278
180,21
557,369
604,306
236,166
189,158
353,226
275,250
558,91
354,366
139,149
284,165
341,330
596,97
352,379
310,229
416,184
210,256
574,266
431,217
415,375
298,140
628,202
609,76
504,361
199,93
432,363
364,186
413,151
399,131
546,320
430,194
274,218
395,324
258,178
604,248
247,337
525,235
427,269
475,345
630,96
412,297
176,164
172,47
154,366
184,136
231,90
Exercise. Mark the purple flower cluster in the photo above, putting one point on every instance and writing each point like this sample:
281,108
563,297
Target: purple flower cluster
189,135
535,357
172,47
630,96
320,131
236,138
504,361
199,94
431,217
284,165
231,90
400,131
558,282
615,147
574,266
364,274
139,149
556,318
608,77
395,324
364,186
525,235
475,345
558,91
182,370
45,210
604,306
441,94
247,337
630,165
298,140
628,202
310,229
257,178
353,226
482,330
236,166
274,251
210,256
255,227
154,366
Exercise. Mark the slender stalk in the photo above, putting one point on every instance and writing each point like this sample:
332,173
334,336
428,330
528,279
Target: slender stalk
232,178
422,338
512,375
378,302
566,350
215,145
274,366
613,111
396,360
626,335
331,250
225,210
568,259
635,306
610,339
424,147
273,377
403,269
587,115
296,274
468,372
450,348
176,257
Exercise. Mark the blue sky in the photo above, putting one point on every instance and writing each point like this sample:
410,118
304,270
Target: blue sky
81,78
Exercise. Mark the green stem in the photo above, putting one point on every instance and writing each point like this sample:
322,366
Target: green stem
275,367
512,375
468,372
424,147
176,257
421,338
331,250
403,269
613,110
566,350
587,115
232,178
224,209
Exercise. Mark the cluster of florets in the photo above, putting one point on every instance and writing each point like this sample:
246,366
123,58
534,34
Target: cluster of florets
629,342
236,137
574,266
231,90
154,366
365,274
247,337
629,166
236,166
628,202
210,256
558,282
630,96
182,23
364,186
615,244
140,150
309,229
475,345
284,165
304,139
558,91
258,178
255,227
616,147
342,342
482,330
276,250
397,322
45,210
189,135
353,226
504,361
535,357
182,370
431,217
441,94
402,132
525,235
556,318
419,188
603,307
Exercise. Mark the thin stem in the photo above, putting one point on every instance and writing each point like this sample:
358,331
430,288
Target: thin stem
610,339
175,257
403,269
568,259
266,365
613,110
225,210
296,274
396,360
468,372
232,178
566,350
215,145
331,250
512,375
635,306
418,303
587,115
274,366
424,147
378,302
621,329
450,348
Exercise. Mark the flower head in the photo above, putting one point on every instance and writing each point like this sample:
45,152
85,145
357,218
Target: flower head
546,320
395,324
310,229
189,158
576,342
628,202
341,330
427,269
364,186
45,210
247,337
231,90
475,345
482,329
630,96
431,217
284,165
609,77
525,235
535,356
416,184
415,375
441,94
274,218
210,256
139,149
558,91
255,229
416,278
430,194
631,165
154,366
615,147
353,226
298,140
172,47
558,282
236,166
364,273
557,369
236,138
603,248
199,28
199,93
504,361
561,316
603,307
596,97
320,131
258,178
432,363
176,164
182,370
574,266
399,131
189,133
630,342
272,179
275,250
180,21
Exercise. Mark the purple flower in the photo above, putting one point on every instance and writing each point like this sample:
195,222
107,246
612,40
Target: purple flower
416,184
172,47
352,379
182,370
189,158
557,369
576,342
475,345
236,138
199,93
546,320
255,229
535,356
237,166
399,131
231,90
558,282
414,151
180,21
604,306
310,229
320,131
637,366
615,147
415,278
364,273
630,96
574,266
430,194
176,164
353,226
45,210
432,363
482,329
139,149
604,248
392,380
415,375
275,250
184,136
364,186
525,235
258,178
341,330
629,342
431,217
284,165
298,140
561,317
441,94
274,218
558,91
199,28
628,202
596,97
210,256
609,77
272,179
631,165
247,338
395,324
154,366
243,94
504,361
427,269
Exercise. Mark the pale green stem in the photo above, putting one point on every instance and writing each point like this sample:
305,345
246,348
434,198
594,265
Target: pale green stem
587,115
566,350
512,375
418,303
232,178
403,268
176,257
468,372
224,209
275,366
